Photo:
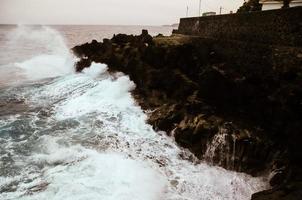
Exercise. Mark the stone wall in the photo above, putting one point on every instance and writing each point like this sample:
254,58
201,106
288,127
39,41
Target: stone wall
278,27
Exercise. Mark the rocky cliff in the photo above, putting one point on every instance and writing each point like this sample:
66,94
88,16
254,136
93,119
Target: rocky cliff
235,104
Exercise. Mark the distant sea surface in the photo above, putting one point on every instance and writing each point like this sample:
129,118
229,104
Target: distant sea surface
80,34
77,34
19,42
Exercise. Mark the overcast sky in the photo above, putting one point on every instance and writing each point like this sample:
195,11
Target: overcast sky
115,12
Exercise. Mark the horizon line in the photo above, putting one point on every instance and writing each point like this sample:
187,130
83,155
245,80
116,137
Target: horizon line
29,24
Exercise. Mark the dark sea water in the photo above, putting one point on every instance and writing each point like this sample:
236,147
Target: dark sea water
68,136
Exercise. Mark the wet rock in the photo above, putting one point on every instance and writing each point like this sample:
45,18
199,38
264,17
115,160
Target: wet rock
12,106
37,188
83,63
236,104
174,183
290,191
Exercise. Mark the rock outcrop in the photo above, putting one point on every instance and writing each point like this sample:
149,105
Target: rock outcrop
235,104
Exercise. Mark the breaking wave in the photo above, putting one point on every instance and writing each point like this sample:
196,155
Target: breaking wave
82,136
39,52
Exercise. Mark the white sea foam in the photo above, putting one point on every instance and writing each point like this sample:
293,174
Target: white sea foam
46,66
114,154
110,95
92,142
81,173
106,176
95,70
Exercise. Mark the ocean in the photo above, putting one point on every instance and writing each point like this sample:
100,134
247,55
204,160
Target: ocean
78,136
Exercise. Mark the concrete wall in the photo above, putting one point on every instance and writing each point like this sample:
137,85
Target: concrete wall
270,5
278,27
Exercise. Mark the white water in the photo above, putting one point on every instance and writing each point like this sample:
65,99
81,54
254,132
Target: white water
54,58
84,137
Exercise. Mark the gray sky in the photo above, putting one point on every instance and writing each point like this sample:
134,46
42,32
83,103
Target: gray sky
117,12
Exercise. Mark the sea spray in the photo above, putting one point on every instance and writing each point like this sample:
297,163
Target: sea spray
83,136
221,149
44,54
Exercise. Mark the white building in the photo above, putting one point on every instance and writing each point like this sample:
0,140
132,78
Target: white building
277,4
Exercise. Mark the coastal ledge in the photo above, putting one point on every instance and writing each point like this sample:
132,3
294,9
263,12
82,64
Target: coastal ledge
245,97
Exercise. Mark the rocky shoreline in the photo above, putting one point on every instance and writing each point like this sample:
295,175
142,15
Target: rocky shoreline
244,97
